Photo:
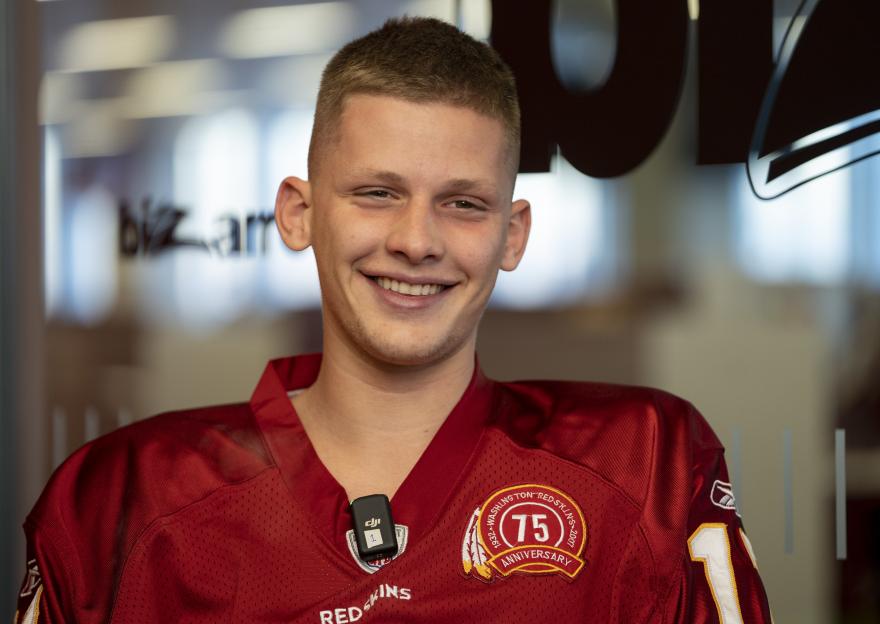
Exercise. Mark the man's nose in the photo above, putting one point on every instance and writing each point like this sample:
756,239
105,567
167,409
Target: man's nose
416,235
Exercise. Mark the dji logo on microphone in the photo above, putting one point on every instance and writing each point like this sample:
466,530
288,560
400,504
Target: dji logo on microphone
373,537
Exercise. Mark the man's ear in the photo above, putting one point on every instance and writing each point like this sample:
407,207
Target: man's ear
517,234
293,212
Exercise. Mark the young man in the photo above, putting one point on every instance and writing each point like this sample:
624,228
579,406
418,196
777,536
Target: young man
510,502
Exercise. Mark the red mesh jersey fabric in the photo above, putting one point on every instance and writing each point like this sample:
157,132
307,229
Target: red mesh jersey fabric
590,502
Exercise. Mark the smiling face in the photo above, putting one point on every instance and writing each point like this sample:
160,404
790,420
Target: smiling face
410,217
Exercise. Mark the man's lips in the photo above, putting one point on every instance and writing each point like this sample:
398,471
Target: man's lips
414,286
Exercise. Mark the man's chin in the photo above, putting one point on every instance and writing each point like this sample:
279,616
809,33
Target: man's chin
413,352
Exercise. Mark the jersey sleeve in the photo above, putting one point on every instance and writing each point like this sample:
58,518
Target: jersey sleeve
719,583
44,591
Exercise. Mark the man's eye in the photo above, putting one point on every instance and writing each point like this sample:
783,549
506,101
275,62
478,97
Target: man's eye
465,204
375,194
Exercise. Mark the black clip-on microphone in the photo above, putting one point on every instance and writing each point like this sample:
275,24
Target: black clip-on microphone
373,527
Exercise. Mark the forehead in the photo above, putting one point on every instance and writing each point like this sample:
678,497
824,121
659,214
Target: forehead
419,140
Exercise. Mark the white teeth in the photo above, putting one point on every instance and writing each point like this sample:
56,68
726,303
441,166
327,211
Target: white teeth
405,288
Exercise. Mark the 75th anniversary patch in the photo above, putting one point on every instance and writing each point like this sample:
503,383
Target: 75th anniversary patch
526,529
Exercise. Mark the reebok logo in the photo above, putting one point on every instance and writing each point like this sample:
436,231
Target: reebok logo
722,495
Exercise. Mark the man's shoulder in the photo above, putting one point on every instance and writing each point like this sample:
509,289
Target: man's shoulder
623,432
153,467
642,410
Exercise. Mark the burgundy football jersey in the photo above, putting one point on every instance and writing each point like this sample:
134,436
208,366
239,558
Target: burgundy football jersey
536,501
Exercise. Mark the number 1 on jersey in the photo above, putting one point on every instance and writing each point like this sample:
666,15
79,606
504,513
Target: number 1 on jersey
710,546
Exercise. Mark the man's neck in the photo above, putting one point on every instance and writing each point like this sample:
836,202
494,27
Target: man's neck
361,413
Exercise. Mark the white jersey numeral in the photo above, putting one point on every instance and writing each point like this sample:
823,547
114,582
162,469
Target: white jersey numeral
32,615
710,546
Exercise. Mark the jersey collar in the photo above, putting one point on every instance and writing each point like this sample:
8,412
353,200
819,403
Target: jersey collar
421,496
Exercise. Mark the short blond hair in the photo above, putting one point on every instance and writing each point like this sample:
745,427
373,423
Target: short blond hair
419,59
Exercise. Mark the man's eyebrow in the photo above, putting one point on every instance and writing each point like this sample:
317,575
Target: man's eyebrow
384,176
464,184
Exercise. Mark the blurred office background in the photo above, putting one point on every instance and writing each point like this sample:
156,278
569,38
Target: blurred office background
141,271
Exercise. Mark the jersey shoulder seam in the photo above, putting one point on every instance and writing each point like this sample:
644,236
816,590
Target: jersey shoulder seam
566,460
169,518
640,530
